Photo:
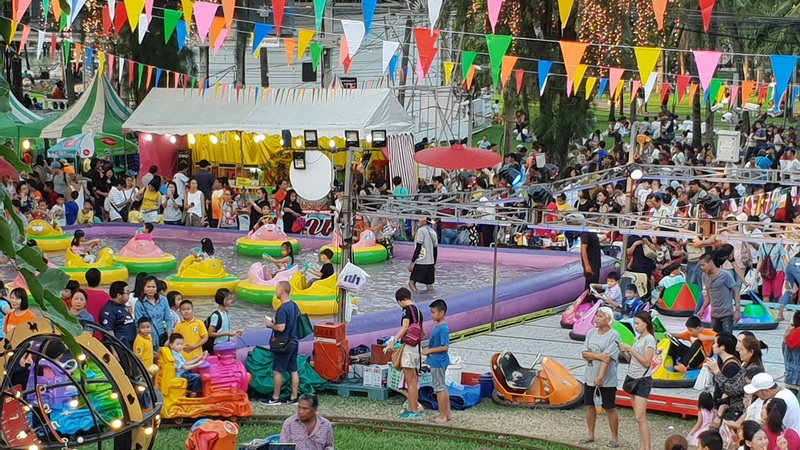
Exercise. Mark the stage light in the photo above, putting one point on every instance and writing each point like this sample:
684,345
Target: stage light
286,138
636,172
311,138
299,159
378,138
173,139
26,144
213,139
351,138
191,139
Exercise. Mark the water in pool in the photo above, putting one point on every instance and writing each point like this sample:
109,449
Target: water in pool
378,294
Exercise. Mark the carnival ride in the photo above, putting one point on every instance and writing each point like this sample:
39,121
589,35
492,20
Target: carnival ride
551,385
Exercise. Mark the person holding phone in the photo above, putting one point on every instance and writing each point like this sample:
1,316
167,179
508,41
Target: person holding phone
194,202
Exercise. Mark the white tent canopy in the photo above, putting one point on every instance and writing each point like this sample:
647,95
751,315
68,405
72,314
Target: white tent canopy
330,112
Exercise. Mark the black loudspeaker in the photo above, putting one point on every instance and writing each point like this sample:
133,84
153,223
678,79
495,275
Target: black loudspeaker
309,74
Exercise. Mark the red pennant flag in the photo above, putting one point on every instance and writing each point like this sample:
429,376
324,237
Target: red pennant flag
346,63
692,91
426,44
683,82
665,91
26,30
149,75
130,68
106,20
762,92
120,17
706,7
635,89
520,79
277,9
53,38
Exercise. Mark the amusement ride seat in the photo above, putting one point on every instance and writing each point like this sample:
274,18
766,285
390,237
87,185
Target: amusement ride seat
517,378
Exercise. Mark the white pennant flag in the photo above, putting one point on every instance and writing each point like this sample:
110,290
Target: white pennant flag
77,7
143,24
389,49
648,88
112,9
354,33
39,44
121,64
434,9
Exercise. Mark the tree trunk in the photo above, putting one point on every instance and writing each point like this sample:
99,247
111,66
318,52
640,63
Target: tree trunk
241,56
509,108
697,136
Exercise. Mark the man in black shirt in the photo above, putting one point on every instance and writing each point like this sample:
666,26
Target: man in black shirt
639,262
205,183
115,317
590,257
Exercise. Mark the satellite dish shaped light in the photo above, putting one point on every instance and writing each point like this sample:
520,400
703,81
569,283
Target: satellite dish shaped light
313,182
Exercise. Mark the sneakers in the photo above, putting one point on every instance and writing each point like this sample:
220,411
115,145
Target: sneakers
410,415
271,402
292,402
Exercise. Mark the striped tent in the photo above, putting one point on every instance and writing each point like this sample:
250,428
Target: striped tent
12,113
99,110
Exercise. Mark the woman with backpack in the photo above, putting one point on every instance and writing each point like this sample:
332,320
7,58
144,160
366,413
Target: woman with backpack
772,261
409,357
218,323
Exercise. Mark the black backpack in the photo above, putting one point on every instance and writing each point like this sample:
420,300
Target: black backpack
209,345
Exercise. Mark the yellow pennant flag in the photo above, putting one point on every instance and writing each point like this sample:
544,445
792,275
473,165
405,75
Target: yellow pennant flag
646,60
13,33
448,71
590,82
188,12
290,45
134,10
304,39
564,10
620,87
579,73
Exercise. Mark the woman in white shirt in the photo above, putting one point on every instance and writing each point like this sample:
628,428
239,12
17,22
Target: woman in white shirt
173,214
193,205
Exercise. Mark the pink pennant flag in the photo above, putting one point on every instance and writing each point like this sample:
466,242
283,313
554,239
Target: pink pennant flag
494,7
20,7
110,65
223,34
204,13
706,61
26,30
148,10
614,75
734,96
420,72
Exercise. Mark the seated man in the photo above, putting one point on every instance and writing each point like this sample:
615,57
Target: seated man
308,429
693,356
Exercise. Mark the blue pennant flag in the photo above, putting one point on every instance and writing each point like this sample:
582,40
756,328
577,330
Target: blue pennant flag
602,88
182,34
544,70
368,8
90,58
260,32
393,66
159,72
783,66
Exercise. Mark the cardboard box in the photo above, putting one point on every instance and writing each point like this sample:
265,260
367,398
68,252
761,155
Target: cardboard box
376,375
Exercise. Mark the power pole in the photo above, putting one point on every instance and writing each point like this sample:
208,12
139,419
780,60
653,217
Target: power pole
401,96
326,65
263,60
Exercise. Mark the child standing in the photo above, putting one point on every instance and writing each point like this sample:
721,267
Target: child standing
174,299
72,208
183,367
143,344
705,403
193,331
439,359
59,212
86,215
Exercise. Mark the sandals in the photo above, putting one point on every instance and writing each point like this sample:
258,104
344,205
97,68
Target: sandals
613,444
586,441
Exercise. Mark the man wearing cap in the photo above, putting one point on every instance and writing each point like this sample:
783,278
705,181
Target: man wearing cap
423,265
765,388
59,179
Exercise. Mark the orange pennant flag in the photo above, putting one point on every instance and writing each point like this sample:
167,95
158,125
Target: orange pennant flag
692,91
509,62
149,75
572,52
291,45
660,10
228,7
216,28
747,90
470,77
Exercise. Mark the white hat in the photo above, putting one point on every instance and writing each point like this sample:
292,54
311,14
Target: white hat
760,382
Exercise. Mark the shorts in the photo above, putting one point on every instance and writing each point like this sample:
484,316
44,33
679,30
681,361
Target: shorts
411,357
773,287
609,395
722,324
439,379
287,361
639,387
424,273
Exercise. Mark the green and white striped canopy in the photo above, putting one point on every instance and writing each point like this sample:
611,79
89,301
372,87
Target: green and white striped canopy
12,113
99,110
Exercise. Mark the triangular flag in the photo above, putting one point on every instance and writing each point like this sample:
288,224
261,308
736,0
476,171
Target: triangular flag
498,46
448,71
228,7
579,77
131,74
590,82
509,62
706,62
111,65
143,24
494,7
107,21
420,74
304,39
393,66
133,10
290,45
713,90
470,77
572,52
354,33
319,12
467,59
140,69
278,8
344,53
564,10
45,10
368,11
64,22
544,71
434,10
217,25
646,60
112,8
346,64
76,7
260,32
120,18
223,34
614,75
67,47
389,50
648,87
747,90
426,46
159,73
53,38
26,30
40,43
520,75
660,10
316,54
148,10
783,66
734,96
149,76
171,18
188,11
57,11
20,7
692,91
683,82
635,86
602,89
181,33
204,13
706,6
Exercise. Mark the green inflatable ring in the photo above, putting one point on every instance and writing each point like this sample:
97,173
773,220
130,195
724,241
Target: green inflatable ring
257,248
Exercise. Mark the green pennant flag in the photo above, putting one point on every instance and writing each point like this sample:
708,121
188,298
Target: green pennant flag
63,21
141,71
713,90
498,46
171,18
46,10
5,30
67,47
316,53
467,59
194,82
319,12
